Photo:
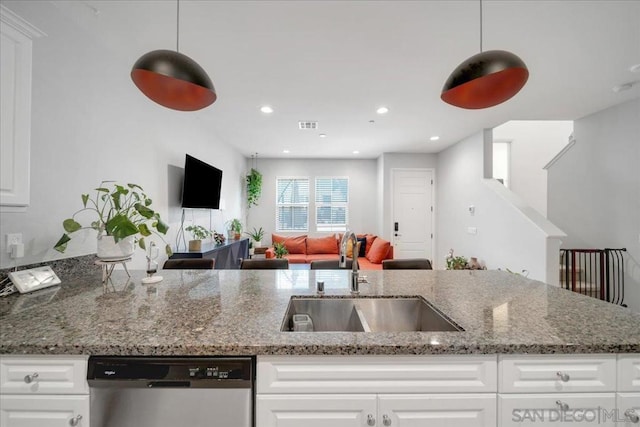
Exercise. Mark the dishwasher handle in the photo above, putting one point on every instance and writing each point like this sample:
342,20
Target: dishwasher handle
169,384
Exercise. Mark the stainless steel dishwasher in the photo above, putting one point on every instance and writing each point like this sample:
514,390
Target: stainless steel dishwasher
170,392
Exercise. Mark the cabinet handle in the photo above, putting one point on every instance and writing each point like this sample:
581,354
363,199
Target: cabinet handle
632,416
386,420
563,406
75,420
371,421
30,378
564,377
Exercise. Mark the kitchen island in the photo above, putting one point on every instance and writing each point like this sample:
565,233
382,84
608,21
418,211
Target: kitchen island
526,347
240,312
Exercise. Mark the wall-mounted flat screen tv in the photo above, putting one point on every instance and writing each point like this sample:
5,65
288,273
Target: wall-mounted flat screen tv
202,185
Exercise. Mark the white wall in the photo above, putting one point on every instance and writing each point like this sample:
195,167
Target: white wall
90,123
363,215
508,234
533,145
594,188
398,160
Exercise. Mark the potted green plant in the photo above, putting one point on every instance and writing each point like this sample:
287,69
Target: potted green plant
254,187
456,262
124,217
199,233
256,235
279,250
236,228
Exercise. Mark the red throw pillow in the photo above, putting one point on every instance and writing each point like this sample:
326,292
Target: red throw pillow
295,245
379,250
370,239
322,245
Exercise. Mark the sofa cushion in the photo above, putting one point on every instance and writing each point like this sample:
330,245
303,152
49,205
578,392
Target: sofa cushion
322,245
363,246
365,264
296,258
379,250
370,239
295,244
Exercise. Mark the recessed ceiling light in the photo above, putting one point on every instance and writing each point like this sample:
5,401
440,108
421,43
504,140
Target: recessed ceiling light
356,152
266,109
635,68
434,138
285,151
323,135
382,110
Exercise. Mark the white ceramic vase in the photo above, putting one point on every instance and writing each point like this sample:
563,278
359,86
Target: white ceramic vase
109,250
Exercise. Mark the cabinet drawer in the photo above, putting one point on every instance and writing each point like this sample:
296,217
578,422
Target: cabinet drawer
629,372
546,409
43,375
548,374
44,411
382,374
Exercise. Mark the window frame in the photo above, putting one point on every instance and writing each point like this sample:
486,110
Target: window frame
319,204
292,205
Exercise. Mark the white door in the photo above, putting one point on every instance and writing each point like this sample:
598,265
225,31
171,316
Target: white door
433,410
412,213
44,410
315,410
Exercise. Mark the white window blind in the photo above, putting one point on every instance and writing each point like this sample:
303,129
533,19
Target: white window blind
292,204
332,203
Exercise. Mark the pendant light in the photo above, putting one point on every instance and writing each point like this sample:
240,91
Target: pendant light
486,79
172,79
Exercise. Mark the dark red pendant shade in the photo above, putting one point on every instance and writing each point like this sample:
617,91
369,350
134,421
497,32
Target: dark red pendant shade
484,80
173,80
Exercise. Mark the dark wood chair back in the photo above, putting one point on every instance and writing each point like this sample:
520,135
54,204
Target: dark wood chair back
407,264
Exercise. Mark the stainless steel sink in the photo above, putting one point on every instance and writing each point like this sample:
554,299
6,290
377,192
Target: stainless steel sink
403,314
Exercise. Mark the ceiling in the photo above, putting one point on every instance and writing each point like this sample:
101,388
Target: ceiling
336,62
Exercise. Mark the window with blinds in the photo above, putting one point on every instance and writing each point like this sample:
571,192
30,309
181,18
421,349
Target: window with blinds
332,203
292,204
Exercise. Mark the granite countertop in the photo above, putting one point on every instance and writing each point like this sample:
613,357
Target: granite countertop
239,312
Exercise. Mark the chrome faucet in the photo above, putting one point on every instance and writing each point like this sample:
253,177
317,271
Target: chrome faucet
350,235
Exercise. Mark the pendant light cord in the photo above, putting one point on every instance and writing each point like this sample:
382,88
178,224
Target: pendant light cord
178,26
480,26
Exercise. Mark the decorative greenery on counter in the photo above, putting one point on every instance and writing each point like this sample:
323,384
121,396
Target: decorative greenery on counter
198,232
456,262
254,187
122,211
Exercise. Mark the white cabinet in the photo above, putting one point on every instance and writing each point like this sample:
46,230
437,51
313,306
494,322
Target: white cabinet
437,410
403,391
356,410
44,410
628,412
316,410
629,372
44,391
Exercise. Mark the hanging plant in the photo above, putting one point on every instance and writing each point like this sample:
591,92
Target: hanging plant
254,187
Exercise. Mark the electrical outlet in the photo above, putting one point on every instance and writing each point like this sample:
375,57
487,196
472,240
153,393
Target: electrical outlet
13,239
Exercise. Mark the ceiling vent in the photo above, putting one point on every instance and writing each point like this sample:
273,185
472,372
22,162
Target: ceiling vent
307,125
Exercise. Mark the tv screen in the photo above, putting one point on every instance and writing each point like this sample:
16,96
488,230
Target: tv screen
202,184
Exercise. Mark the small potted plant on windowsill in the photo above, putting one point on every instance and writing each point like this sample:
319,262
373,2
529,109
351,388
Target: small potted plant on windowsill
199,233
124,218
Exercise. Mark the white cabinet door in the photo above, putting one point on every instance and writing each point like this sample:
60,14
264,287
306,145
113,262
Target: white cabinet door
557,409
44,411
628,409
347,410
433,410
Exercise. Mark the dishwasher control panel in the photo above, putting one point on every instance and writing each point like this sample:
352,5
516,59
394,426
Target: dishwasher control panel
189,372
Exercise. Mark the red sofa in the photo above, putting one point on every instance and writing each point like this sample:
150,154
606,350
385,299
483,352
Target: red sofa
304,249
